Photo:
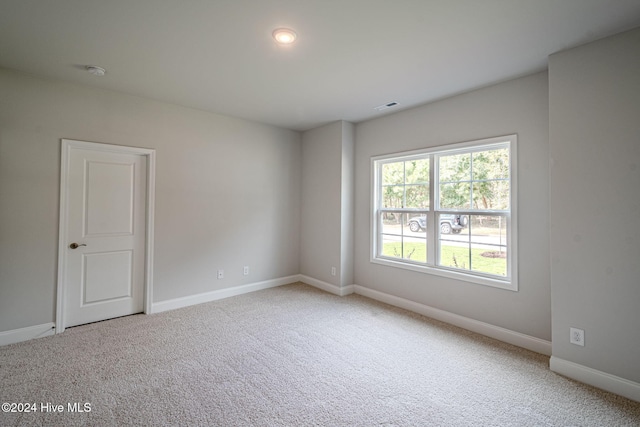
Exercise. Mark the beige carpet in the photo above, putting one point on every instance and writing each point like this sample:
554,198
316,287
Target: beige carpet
293,356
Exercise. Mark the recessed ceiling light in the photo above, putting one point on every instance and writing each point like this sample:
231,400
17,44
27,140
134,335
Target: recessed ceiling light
284,35
96,71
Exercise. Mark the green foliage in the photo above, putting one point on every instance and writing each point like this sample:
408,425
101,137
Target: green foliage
475,180
450,256
458,257
412,251
455,195
472,180
417,171
406,184
393,173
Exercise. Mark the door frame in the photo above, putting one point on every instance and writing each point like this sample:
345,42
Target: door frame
67,146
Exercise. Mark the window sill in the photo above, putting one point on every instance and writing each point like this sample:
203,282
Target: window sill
510,285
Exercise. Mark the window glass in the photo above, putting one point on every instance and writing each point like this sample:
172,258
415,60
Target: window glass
455,195
479,247
405,184
393,173
472,183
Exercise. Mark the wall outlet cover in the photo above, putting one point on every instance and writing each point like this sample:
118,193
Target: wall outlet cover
576,336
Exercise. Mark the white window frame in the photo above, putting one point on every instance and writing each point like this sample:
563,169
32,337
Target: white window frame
510,282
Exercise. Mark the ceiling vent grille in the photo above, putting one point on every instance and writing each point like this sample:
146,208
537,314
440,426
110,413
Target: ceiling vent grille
386,106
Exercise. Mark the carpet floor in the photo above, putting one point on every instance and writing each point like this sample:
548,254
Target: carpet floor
291,356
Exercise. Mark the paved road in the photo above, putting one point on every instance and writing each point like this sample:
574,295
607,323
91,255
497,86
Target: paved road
483,241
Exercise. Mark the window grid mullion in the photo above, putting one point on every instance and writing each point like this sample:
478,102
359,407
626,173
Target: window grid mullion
470,187
431,237
404,186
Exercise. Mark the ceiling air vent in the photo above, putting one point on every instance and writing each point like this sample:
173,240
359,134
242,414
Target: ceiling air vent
385,106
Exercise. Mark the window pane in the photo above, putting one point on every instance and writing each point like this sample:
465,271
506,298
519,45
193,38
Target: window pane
489,237
392,246
415,249
415,241
454,241
391,223
392,196
489,261
417,226
455,168
417,171
491,164
454,255
454,224
393,173
417,196
455,195
492,195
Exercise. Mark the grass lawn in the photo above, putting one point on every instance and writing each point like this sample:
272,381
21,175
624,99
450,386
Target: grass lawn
451,256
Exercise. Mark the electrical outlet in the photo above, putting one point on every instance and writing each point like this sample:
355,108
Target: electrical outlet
333,271
245,270
576,336
220,274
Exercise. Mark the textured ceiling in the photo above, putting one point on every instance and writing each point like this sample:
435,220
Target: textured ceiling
350,56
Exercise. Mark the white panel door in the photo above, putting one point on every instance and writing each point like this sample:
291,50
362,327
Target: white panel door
104,259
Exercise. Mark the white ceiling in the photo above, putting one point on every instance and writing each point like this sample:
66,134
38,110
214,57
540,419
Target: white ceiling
350,56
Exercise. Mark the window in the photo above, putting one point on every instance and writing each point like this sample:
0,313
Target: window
449,211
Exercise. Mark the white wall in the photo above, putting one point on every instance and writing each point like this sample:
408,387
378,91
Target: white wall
227,191
595,203
326,233
348,203
518,106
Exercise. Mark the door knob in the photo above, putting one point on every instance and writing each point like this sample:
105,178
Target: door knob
76,246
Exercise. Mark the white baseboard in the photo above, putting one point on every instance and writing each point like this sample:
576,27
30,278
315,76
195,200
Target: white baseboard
521,340
328,287
172,304
599,379
28,333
